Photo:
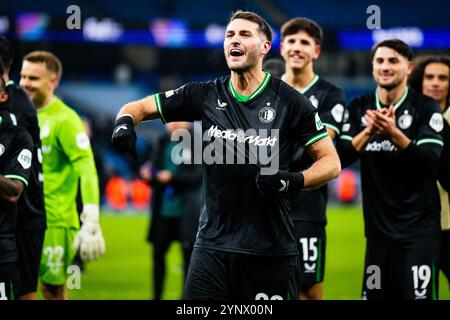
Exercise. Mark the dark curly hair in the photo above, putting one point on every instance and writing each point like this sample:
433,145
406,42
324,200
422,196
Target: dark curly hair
415,79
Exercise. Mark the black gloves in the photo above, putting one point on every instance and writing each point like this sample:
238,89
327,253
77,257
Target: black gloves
279,182
124,136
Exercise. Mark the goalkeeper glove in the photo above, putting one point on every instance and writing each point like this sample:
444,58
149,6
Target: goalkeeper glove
124,136
282,181
89,240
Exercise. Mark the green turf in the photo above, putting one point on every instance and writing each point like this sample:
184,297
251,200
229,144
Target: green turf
125,270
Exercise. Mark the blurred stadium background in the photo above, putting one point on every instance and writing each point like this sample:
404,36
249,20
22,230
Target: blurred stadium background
128,49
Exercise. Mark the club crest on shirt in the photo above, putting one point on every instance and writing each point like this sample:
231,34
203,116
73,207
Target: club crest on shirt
314,101
24,158
2,149
266,114
405,120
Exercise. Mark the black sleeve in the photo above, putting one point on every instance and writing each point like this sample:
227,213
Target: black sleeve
182,104
431,125
350,128
332,110
18,157
305,126
444,162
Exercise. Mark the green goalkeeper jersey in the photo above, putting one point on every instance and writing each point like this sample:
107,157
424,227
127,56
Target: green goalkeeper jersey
67,161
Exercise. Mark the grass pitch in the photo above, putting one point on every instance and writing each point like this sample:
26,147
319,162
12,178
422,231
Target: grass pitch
125,270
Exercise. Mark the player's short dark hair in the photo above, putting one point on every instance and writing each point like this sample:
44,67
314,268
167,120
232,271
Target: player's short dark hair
395,44
264,27
52,62
6,53
415,79
302,24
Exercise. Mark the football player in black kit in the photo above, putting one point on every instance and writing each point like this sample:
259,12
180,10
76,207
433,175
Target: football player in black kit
245,248
31,223
15,162
397,134
301,40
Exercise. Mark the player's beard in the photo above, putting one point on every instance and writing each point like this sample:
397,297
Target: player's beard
390,86
251,62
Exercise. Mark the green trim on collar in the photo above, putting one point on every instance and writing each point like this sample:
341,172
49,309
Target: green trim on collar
241,98
308,85
396,105
9,83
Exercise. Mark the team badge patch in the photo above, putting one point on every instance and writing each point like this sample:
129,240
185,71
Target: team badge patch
437,122
405,120
24,158
338,112
266,114
82,141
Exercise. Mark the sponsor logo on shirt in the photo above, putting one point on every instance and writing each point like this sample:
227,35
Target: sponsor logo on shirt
384,145
221,105
240,136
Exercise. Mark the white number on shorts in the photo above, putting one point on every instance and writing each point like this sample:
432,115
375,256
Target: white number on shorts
307,247
422,273
3,291
54,258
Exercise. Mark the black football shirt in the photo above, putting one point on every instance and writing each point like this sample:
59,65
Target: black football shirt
16,148
400,198
31,205
235,217
310,205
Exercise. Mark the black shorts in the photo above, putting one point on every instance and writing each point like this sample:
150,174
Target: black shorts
218,275
402,269
311,243
445,254
29,249
8,281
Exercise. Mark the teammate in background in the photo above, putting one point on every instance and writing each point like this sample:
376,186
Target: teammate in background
397,134
67,159
175,202
31,221
431,76
244,248
301,40
15,162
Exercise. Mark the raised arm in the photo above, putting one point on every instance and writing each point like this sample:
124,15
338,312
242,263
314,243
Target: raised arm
326,166
140,110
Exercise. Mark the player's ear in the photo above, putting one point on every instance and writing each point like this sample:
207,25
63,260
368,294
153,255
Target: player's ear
266,47
317,50
409,68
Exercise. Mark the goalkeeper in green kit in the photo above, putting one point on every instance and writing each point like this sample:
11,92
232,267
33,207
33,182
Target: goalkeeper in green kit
67,161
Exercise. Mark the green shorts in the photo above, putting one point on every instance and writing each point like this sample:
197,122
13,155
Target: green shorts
57,255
